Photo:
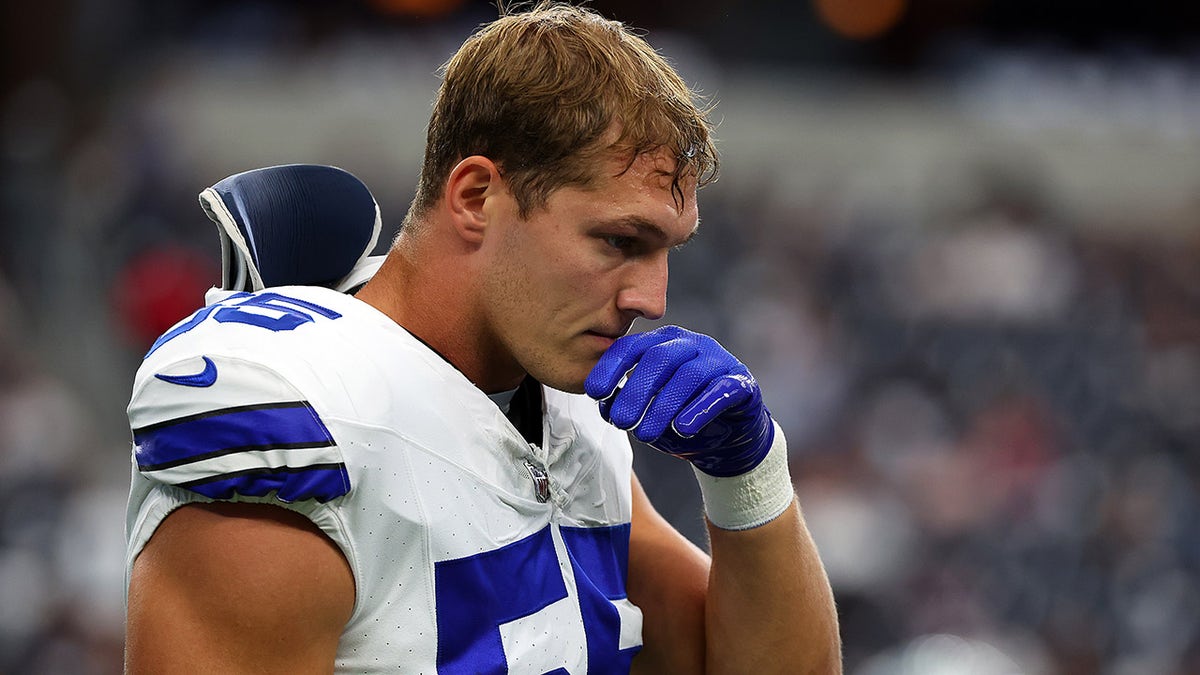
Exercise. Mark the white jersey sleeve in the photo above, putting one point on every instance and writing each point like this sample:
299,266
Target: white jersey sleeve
224,411
222,426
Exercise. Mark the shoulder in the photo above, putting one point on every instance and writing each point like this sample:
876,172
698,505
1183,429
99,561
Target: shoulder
283,322
231,401
294,337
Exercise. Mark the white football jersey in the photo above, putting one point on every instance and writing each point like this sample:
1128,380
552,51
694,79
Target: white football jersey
472,550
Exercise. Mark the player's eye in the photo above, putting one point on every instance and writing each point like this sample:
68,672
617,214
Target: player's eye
620,243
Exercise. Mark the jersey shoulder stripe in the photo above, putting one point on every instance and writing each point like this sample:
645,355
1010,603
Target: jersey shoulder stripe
267,426
322,482
251,433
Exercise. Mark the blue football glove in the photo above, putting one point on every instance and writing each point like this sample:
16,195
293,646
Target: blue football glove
682,393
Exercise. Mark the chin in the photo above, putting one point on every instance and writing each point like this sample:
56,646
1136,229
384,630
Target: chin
569,380
569,385
577,389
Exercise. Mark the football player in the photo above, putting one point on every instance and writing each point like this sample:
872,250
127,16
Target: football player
432,474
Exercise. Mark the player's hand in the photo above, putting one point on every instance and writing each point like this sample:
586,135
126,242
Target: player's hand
684,394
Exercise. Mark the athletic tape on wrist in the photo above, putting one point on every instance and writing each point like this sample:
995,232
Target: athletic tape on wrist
754,498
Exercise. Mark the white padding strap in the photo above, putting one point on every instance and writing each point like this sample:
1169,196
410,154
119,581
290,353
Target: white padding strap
754,498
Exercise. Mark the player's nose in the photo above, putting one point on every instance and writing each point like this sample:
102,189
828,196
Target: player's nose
645,290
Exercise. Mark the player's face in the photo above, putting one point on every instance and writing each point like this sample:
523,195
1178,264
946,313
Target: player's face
566,282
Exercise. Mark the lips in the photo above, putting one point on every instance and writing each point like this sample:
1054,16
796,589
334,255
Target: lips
605,341
611,334
603,338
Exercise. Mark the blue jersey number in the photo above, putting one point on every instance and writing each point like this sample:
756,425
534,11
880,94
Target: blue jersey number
266,310
475,595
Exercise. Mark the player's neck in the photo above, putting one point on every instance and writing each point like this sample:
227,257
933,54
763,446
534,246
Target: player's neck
430,297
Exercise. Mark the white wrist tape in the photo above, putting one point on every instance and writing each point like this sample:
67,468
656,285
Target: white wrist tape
754,498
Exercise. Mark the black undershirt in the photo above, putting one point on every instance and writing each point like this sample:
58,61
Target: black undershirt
525,410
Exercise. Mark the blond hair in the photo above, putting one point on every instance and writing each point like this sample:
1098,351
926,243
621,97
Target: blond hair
536,91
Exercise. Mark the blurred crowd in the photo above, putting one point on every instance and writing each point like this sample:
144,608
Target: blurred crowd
996,425
991,394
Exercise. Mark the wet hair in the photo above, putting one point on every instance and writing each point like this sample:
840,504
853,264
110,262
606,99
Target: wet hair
538,91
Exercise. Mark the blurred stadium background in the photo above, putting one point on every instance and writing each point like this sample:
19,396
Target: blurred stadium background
958,240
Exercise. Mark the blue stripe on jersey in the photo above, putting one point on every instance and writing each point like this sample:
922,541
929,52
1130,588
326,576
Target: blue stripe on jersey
478,593
290,425
222,432
600,560
603,553
322,482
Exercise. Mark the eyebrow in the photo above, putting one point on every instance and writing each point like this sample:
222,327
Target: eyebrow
647,228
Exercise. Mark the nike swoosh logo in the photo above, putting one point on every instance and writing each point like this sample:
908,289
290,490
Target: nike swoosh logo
204,378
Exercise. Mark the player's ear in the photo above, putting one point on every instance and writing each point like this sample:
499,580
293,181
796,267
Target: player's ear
471,183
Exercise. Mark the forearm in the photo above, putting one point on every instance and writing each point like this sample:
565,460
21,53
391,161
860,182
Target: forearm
769,607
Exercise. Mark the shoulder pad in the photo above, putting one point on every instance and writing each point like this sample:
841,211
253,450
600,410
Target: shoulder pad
222,426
